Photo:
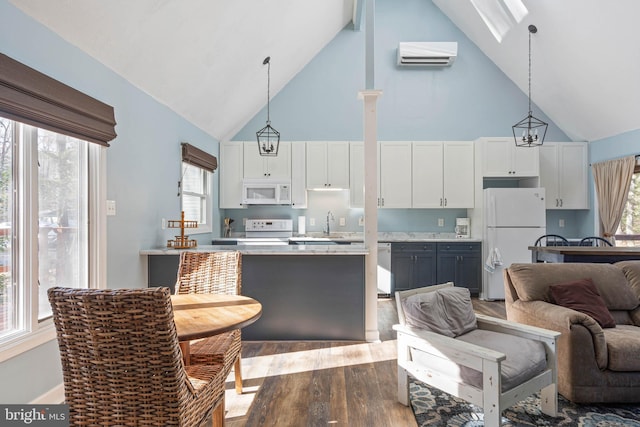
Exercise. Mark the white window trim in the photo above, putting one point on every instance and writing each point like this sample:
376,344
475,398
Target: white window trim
40,332
208,227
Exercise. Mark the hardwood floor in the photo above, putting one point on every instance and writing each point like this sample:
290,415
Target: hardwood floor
319,383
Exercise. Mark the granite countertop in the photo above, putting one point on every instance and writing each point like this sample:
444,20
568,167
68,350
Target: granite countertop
353,249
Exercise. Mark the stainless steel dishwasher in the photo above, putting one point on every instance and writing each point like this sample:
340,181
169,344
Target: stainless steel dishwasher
384,269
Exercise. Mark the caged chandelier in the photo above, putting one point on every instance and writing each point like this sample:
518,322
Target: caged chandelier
268,137
533,129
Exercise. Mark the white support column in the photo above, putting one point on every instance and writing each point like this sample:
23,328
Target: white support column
371,212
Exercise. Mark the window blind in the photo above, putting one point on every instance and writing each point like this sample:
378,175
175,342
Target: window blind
28,96
196,157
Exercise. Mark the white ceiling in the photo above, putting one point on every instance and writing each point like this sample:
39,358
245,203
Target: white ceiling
201,58
585,71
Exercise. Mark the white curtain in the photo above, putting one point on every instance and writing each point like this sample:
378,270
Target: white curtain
612,180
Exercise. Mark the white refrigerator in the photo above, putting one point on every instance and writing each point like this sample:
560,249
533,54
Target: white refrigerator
514,219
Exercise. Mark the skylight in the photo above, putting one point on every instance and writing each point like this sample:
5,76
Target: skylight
500,15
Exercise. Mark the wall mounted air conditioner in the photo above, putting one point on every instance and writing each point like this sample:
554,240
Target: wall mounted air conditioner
427,54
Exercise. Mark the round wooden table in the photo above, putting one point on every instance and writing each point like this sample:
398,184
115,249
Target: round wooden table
203,315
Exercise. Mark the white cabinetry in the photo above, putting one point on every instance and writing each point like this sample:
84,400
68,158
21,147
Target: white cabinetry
327,165
276,167
443,174
395,174
231,174
501,158
298,175
563,173
356,174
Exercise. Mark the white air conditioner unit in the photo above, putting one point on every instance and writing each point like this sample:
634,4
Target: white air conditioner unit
427,54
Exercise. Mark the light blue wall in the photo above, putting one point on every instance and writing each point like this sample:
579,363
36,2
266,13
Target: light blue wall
468,100
143,168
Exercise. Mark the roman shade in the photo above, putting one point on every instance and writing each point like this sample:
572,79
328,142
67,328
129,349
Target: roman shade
196,157
28,96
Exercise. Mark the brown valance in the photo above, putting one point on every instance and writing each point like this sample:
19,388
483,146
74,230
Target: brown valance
196,157
28,96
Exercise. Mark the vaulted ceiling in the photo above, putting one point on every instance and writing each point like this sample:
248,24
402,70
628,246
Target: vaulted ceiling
201,57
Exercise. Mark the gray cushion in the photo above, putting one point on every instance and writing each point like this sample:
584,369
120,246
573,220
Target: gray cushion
524,359
446,311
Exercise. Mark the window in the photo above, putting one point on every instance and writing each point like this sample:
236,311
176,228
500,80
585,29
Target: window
628,233
52,196
196,196
44,222
197,170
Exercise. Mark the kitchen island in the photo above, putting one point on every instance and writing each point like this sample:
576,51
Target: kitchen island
307,292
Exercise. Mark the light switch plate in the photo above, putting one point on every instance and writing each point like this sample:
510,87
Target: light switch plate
561,223
312,221
111,207
343,222
440,222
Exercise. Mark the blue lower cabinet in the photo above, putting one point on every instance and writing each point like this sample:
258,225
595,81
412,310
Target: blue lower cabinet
414,265
460,263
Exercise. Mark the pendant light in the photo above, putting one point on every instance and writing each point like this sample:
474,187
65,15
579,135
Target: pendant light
533,129
268,137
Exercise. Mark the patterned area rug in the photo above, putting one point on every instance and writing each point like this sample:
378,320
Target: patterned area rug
433,407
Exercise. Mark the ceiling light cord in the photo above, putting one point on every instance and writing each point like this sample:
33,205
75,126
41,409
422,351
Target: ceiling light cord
267,61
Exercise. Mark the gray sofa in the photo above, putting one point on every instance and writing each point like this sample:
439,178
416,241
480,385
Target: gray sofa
595,364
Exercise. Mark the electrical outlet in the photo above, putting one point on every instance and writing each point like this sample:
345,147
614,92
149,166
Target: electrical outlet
343,222
561,223
312,222
244,222
361,221
440,222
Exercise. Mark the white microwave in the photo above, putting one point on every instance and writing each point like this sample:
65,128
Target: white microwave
266,192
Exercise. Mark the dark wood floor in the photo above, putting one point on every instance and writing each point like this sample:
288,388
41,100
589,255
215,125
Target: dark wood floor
320,383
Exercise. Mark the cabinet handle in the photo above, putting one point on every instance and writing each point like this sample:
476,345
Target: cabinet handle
440,201
383,201
561,202
445,201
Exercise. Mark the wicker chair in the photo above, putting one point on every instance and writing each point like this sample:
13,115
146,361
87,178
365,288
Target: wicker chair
122,365
214,273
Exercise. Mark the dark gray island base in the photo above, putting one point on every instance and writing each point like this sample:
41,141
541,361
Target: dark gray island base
303,297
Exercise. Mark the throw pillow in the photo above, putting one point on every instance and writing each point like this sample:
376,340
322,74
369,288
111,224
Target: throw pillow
446,311
582,295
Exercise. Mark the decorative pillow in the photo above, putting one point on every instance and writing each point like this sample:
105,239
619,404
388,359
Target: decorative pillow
582,295
446,311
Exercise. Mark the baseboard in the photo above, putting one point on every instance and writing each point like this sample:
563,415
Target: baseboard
53,396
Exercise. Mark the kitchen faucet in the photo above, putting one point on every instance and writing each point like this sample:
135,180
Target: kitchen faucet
329,219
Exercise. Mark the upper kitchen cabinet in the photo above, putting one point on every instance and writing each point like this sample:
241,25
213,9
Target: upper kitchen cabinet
356,174
276,167
443,174
327,165
231,174
298,175
395,174
563,173
502,159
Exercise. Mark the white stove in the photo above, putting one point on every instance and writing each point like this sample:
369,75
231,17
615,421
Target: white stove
269,228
